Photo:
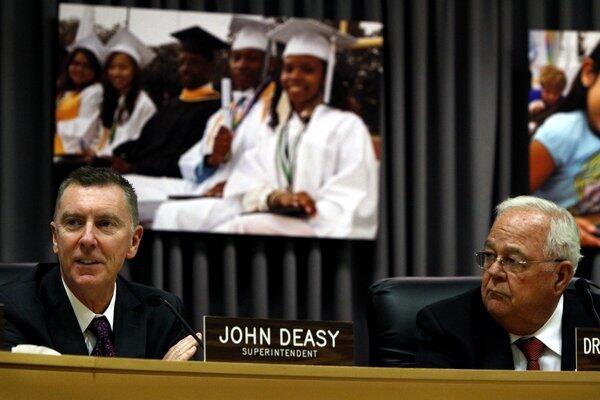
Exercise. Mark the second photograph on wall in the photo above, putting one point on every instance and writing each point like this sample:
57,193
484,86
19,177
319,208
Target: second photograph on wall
237,124
564,124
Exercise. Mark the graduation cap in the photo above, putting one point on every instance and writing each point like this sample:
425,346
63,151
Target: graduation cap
252,34
92,44
249,33
312,38
126,42
197,40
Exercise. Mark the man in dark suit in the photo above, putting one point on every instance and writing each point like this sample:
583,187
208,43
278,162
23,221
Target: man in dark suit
522,317
81,306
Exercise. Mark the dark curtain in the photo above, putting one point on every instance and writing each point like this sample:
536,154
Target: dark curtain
454,142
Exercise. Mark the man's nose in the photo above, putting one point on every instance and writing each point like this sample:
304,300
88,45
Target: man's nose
496,270
88,236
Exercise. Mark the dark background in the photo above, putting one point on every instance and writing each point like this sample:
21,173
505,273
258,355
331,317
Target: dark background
454,131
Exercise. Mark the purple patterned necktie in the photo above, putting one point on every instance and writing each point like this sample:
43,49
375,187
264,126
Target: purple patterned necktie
532,348
104,346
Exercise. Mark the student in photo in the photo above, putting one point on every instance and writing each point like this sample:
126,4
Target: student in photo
313,171
181,122
230,132
79,96
125,106
249,62
552,81
565,157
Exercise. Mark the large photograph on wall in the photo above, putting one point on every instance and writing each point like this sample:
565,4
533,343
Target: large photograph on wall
223,123
564,124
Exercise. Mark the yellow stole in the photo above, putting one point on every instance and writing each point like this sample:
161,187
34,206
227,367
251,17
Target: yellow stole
67,108
202,93
266,97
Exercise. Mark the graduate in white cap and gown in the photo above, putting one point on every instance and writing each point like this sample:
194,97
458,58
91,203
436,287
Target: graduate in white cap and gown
79,96
125,106
181,122
208,162
206,166
313,172
229,134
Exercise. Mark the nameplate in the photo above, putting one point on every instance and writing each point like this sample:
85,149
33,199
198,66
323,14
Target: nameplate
587,354
278,341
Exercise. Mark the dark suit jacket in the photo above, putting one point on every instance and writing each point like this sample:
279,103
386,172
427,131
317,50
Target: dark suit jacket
38,311
167,135
460,333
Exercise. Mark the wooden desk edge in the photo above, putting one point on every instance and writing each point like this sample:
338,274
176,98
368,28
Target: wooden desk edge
70,362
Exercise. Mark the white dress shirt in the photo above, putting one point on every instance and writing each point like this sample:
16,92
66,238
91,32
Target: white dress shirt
85,315
551,335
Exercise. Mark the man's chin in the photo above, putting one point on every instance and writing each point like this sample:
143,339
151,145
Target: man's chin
496,304
87,269
86,272
87,280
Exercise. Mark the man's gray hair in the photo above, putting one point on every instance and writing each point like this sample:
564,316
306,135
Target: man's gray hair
99,176
562,242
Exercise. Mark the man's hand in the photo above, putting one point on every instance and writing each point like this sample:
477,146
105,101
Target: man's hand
217,190
587,232
221,147
184,349
285,199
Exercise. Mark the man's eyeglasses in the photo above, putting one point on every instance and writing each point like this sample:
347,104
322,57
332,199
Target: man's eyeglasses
485,259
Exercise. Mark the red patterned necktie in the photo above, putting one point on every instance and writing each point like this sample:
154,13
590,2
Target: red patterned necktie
104,346
532,348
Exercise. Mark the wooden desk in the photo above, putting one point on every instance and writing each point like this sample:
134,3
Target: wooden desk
73,377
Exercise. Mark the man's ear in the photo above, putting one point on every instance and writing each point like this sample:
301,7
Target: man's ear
564,274
588,72
135,242
54,230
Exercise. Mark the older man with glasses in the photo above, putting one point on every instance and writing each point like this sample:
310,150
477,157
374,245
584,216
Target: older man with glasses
523,317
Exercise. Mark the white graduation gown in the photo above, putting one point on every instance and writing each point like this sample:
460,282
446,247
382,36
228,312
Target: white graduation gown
195,214
335,165
78,133
129,130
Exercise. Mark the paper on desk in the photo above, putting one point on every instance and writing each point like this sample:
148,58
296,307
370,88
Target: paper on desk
33,349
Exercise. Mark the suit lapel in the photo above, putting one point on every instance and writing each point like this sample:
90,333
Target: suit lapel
60,319
130,323
496,352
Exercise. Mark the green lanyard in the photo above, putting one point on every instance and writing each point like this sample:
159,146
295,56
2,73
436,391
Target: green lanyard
287,155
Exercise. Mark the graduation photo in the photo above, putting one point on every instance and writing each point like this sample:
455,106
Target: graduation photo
225,123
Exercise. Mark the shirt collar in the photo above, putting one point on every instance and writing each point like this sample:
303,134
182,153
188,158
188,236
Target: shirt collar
550,334
239,94
85,315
